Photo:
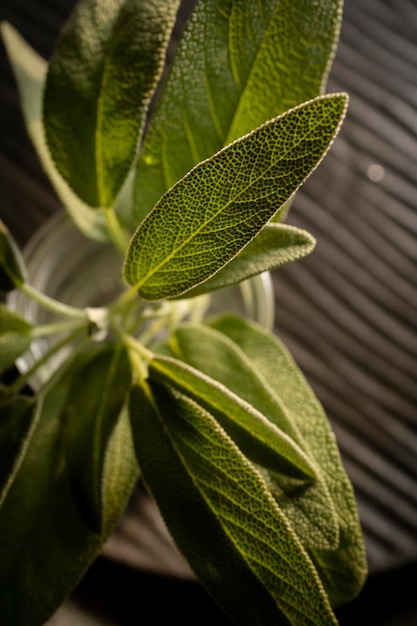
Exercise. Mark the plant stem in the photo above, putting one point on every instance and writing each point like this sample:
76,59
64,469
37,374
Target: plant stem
138,354
138,365
125,298
152,330
133,344
58,327
117,233
52,305
23,378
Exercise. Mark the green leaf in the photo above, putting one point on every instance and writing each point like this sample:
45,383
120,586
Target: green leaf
30,73
221,514
239,63
45,542
208,217
275,245
15,337
17,419
12,266
309,507
258,439
101,78
95,401
343,570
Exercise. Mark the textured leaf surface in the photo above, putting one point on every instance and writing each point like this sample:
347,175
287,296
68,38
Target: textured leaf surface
95,401
222,516
343,571
309,507
240,63
45,542
254,434
30,73
100,81
12,268
15,337
17,417
276,245
207,218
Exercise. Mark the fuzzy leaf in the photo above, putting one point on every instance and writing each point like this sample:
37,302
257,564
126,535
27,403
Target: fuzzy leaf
276,245
239,63
15,337
12,267
309,507
343,570
45,542
208,217
95,401
101,78
255,436
17,418
221,515
30,73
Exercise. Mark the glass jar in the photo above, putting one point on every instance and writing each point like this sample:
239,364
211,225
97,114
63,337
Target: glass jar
72,269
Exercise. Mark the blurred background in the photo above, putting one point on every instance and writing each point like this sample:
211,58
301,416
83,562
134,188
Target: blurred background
347,313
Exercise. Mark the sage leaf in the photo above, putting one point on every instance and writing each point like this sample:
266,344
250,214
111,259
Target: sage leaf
101,78
343,570
46,544
15,337
254,434
221,515
276,245
209,216
30,73
308,506
17,418
95,401
12,266
239,63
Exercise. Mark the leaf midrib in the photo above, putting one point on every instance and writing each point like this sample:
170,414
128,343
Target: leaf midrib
104,81
168,258
242,404
250,73
198,483
219,132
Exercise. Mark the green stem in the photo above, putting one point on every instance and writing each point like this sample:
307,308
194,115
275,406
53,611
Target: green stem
116,231
152,330
133,344
124,299
52,305
23,379
58,327
138,366
138,354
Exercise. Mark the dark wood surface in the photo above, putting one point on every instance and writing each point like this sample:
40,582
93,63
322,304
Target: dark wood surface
347,312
